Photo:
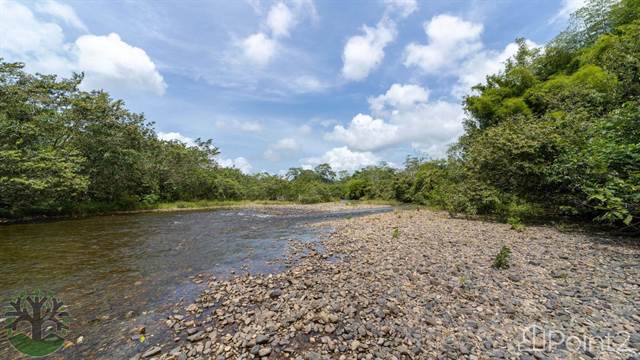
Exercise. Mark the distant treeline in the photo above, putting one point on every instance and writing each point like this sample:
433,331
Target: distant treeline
555,134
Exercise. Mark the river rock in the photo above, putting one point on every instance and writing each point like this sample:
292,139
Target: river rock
152,352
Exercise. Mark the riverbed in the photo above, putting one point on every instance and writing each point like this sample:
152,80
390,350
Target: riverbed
119,273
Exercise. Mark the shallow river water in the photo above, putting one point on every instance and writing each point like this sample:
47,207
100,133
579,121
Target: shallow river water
118,272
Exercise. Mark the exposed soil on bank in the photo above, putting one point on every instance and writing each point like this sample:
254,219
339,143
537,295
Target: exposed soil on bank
428,292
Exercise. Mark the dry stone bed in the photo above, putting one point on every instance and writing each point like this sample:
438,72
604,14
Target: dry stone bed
429,293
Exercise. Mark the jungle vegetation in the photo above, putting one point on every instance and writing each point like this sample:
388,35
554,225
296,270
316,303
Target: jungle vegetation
555,134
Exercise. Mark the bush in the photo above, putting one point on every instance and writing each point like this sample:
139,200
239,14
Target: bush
516,223
501,260
356,189
150,200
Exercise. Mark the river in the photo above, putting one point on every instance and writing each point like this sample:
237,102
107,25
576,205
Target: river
117,273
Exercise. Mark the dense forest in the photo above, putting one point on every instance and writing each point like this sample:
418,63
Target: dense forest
555,134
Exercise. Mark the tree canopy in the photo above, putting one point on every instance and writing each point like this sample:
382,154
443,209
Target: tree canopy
555,133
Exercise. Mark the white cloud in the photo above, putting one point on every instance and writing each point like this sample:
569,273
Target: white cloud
449,39
568,7
365,133
286,144
400,97
107,60
63,12
454,48
403,7
172,136
364,53
435,124
475,69
24,37
283,145
239,163
280,20
413,119
259,48
248,126
342,158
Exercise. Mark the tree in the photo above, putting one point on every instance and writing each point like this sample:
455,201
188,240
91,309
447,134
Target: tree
39,168
325,173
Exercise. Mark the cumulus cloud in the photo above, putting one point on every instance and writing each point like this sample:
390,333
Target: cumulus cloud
23,37
414,119
567,8
365,133
403,7
449,39
280,20
399,97
342,158
363,53
176,136
259,48
63,12
475,69
107,61
454,48
239,163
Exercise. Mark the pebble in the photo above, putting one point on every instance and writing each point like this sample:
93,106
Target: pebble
430,293
152,352
262,339
264,351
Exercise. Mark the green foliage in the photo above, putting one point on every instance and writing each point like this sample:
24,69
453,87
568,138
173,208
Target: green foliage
624,12
516,223
63,150
589,89
395,233
554,134
564,142
372,182
356,189
501,261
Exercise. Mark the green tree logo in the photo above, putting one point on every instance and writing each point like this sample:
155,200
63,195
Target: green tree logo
36,323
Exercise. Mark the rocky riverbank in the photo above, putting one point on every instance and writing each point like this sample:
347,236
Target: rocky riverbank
426,290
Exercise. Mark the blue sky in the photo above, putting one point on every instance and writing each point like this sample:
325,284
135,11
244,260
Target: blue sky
285,83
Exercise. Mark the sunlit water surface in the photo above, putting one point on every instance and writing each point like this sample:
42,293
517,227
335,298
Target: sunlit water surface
118,272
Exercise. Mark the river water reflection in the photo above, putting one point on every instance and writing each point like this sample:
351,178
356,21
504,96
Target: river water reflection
122,271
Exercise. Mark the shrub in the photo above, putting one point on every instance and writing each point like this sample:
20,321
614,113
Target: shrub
150,200
516,223
501,260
